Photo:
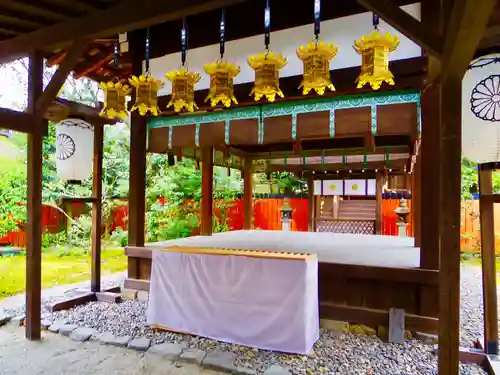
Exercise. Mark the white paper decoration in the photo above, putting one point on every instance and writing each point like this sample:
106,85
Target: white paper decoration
317,187
74,149
355,187
481,110
333,187
372,187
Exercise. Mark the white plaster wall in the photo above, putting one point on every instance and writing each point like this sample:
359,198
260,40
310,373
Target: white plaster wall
341,31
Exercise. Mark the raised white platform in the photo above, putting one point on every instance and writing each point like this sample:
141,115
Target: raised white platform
355,249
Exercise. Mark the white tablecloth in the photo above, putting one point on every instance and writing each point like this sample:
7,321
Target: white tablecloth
258,302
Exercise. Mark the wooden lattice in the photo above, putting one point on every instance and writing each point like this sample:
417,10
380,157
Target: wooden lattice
346,226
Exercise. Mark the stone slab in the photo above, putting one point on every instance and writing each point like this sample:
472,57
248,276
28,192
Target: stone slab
141,344
277,370
129,294
56,326
220,361
109,339
168,350
143,296
193,355
45,323
244,371
66,329
82,334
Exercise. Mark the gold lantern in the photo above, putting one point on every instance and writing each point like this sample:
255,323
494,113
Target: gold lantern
146,94
374,49
222,76
316,57
183,82
115,95
267,66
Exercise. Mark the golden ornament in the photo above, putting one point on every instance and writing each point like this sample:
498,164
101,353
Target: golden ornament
115,95
146,94
222,76
267,66
316,57
183,82
374,49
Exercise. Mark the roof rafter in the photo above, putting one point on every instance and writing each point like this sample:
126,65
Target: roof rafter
126,16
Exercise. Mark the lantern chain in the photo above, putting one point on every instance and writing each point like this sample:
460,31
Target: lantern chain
222,33
184,42
147,50
376,21
267,25
317,19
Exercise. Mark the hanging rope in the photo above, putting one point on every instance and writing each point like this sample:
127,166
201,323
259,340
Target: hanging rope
222,33
323,161
343,159
147,50
304,159
284,162
317,18
376,21
267,25
387,157
365,161
184,42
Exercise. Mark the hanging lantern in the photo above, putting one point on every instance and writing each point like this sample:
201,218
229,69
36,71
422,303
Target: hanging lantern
221,74
74,149
267,66
481,110
115,95
316,57
374,49
146,94
183,81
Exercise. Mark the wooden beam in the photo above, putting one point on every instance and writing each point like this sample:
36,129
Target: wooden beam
126,16
487,218
95,284
466,27
207,172
416,197
59,77
405,24
17,121
34,204
247,193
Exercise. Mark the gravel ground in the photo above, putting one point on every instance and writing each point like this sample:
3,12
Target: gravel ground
334,353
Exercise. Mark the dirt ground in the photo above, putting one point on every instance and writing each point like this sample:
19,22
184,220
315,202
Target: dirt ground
56,355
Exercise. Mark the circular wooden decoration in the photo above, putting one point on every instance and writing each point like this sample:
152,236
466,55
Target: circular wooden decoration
481,110
65,146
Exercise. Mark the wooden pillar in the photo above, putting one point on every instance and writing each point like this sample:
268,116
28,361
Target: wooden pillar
416,200
207,171
311,206
34,204
247,194
95,284
379,185
449,225
486,215
137,179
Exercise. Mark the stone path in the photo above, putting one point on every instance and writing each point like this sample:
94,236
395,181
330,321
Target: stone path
56,355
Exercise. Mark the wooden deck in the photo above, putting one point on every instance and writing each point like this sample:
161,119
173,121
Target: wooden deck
360,276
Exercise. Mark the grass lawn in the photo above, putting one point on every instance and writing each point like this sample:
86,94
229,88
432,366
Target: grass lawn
57,269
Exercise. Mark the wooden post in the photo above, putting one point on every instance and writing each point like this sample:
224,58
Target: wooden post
416,200
247,194
486,215
207,171
449,228
137,179
95,284
379,185
34,206
311,214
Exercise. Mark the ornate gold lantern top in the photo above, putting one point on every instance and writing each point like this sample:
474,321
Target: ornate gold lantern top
222,76
266,66
115,95
146,94
374,49
183,82
316,57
